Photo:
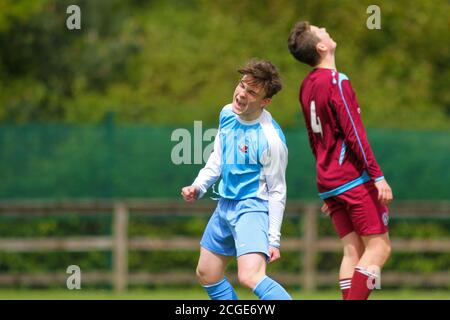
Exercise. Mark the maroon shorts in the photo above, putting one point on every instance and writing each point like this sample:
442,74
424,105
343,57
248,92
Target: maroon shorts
359,210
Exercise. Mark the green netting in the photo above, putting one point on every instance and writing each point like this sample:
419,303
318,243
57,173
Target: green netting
109,161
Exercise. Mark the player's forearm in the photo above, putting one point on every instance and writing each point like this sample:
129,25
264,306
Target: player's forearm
206,177
374,169
367,155
276,185
276,212
360,145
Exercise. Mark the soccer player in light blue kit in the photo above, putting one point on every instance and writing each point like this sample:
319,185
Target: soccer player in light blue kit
250,154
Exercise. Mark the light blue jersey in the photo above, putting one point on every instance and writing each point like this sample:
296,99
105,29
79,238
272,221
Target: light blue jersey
251,157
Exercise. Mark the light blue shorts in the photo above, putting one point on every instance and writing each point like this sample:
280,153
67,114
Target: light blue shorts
238,227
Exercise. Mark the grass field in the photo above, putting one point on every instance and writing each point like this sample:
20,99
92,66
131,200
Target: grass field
198,294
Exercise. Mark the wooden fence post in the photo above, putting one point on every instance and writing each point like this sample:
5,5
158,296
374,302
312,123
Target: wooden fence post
309,248
120,253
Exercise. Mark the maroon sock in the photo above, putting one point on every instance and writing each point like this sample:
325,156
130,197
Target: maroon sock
360,290
345,285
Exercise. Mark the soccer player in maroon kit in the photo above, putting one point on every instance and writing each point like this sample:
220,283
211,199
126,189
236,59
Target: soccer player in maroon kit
349,179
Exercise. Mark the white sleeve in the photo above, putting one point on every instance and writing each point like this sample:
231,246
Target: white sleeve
275,160
212,169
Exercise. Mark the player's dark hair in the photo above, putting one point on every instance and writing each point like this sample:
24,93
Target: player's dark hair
265,73
302,44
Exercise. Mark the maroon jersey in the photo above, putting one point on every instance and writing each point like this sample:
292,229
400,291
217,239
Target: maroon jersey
344,158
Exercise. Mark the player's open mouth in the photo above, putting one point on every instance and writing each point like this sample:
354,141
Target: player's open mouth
240,104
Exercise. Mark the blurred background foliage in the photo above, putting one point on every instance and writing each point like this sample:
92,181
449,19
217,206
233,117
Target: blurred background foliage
175,61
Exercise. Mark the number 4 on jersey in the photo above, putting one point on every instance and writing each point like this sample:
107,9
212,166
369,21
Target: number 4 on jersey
316,126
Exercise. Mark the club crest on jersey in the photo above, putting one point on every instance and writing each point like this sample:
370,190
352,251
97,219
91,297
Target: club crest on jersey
243,148
385,218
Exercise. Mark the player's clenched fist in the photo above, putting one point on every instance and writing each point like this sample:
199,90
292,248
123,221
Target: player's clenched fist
189,193
274,254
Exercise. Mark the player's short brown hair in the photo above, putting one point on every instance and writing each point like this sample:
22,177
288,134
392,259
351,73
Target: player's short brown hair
265,73
302,44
